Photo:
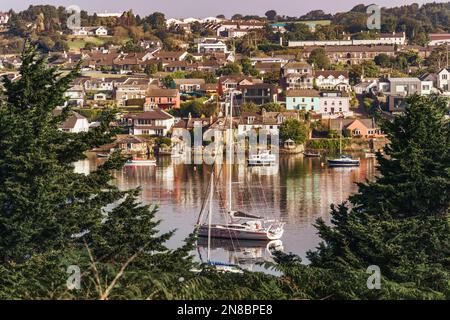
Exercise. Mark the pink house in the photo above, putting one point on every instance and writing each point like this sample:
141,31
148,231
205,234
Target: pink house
164,99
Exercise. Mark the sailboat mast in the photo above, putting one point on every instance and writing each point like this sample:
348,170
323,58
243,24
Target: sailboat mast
340,140
230,150
211,192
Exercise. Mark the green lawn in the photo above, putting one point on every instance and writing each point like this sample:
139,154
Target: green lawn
79,43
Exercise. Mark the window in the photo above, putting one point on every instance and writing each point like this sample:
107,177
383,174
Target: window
325,103
303,99
444,77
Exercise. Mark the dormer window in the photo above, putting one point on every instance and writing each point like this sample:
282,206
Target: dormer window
250,119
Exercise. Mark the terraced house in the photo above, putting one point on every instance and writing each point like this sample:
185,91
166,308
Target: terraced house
302,99
152,122
298,75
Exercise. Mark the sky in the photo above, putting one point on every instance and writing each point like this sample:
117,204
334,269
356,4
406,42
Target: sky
205,8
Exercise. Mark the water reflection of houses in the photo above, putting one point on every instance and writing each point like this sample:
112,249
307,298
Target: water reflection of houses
310,188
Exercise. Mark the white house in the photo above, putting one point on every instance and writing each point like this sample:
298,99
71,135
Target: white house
398,38
332,80
210,45
268,122
109,14
189,85
443,79
152,122
4,18
75,95
90,31
103,84
237,33
438,38
75,123
101,32
100,96
334,104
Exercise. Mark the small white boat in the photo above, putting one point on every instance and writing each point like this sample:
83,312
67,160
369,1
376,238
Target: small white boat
141,162
262,159
103,155
311,154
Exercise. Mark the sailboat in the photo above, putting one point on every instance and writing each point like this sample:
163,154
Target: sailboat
343,160
239,225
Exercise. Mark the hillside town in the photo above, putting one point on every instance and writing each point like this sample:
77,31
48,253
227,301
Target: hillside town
271,64
264,158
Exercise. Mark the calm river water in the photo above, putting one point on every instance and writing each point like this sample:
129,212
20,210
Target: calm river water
298,191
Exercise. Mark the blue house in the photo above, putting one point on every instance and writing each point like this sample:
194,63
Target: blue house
307,100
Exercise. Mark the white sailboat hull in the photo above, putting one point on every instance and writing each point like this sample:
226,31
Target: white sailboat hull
239,232
141,163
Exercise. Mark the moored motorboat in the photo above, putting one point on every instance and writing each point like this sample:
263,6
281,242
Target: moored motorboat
311,154
343,161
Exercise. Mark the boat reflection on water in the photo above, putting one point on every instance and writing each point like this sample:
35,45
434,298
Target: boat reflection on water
242,253
265,170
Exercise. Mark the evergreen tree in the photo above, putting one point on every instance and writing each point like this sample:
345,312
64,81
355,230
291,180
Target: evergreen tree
52,218
398,222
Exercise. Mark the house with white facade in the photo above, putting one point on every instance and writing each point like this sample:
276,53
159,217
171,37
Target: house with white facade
152,122
211,45
75,95
268,122
189,85
428,82
332,80
333,104
90,31
4,18
443,79
298,75
437,39
75,123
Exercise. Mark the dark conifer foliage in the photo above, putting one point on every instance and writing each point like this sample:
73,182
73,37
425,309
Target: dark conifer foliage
398,222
